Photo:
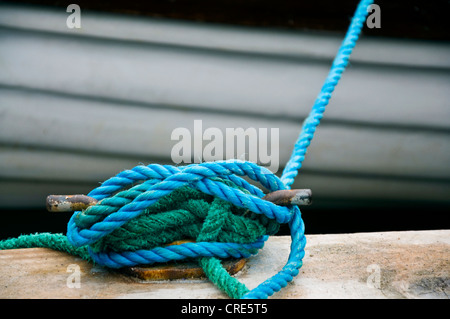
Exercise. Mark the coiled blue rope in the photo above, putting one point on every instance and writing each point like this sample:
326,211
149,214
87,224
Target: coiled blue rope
159,181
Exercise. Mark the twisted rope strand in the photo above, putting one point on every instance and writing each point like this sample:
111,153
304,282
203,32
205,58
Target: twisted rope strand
312,121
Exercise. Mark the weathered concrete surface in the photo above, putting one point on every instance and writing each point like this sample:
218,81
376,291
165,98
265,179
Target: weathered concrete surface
413,264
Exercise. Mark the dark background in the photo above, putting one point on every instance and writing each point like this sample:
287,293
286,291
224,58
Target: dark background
366,217
417,19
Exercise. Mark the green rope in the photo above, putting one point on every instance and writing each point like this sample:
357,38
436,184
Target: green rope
45,240
219,276
211,230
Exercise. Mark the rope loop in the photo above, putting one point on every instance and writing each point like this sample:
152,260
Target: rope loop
142,210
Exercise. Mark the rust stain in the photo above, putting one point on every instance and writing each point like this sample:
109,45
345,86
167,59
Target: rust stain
179,270
174,271
289,197
69,203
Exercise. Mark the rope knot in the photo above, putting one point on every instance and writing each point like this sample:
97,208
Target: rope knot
142,210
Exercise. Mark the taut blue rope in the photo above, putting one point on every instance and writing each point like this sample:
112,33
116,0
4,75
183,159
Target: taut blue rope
312,121
159,180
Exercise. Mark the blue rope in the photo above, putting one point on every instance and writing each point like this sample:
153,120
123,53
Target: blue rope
312,121
156,181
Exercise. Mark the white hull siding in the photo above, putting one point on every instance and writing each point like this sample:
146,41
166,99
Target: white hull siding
78,106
